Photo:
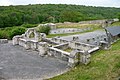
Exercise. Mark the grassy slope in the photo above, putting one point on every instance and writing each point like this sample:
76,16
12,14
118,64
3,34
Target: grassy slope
105,65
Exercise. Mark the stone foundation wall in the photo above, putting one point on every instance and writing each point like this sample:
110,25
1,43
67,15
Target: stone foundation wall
82,46
80,51
2,41
68,30
60,54
49,41
60,41
62,46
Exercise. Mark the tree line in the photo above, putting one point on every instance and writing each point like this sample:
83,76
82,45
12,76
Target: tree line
42,13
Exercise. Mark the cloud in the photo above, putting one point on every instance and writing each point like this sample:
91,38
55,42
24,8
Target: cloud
5,3
106,3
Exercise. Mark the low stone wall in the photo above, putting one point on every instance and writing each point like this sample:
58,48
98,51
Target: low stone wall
62,46
58,40
49,41
83,46
93,22
60,54
72,58
68,30
96,40
2,41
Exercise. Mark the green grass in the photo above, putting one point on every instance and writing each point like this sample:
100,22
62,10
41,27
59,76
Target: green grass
68,50
116,24
105,65
76,25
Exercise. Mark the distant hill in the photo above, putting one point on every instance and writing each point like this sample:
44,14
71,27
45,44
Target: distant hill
39,13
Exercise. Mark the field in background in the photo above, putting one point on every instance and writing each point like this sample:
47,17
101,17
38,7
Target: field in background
105,65
92,27
76,25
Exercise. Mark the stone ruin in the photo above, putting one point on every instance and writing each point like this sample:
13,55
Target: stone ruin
51,25
79,52
28,40
2,41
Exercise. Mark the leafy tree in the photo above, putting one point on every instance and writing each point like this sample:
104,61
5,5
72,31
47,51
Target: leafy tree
1,21
71,16
119,16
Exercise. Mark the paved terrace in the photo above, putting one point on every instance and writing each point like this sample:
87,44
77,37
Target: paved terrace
18,63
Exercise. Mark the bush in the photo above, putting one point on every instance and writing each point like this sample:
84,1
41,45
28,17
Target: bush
44,29
17,31
4,34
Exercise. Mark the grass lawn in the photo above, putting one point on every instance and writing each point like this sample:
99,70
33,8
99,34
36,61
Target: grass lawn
105,65
116,24
93,28
77,25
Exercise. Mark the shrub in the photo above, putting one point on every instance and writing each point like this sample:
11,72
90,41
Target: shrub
4,34
17,31
44,29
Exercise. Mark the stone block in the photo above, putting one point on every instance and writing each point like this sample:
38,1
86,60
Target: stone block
2,41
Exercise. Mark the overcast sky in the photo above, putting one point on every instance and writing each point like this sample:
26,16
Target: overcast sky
105,3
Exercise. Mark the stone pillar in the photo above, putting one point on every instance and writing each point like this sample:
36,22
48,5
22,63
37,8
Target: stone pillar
27,45
73,58
42,48
33,44
85,58
104,45
71,62
15,40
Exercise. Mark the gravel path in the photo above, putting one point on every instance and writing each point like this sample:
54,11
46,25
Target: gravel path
18,63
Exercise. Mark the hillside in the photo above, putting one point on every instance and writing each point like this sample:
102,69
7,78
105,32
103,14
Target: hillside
105,65
40,13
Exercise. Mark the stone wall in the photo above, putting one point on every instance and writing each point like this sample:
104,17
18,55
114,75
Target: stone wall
60,54
83,46
2,41
49,41
51,25
93,22
62,46
72,58
68,30
59,41
96,40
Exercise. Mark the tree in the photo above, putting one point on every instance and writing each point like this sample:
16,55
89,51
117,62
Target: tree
71,16
119,16
1,21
